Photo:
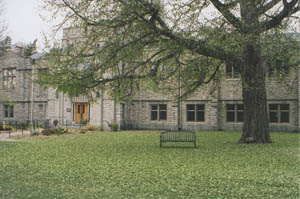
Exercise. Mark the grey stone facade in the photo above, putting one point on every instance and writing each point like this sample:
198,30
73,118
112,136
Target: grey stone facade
19,95
137,113
228,91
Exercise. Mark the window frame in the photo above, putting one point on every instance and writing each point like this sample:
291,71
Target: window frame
8,111
157,113
234,70
196,109
279,111
236,110
9,78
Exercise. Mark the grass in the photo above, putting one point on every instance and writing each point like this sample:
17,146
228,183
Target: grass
131,165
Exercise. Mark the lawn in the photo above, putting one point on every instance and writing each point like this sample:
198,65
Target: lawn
132,165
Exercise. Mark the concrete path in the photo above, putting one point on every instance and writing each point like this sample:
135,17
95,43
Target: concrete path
5,136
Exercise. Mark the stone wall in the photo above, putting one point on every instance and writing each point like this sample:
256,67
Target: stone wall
227,91
21,95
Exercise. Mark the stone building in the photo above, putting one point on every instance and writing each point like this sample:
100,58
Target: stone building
220,108
17,91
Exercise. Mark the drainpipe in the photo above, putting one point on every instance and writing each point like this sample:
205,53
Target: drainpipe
32,95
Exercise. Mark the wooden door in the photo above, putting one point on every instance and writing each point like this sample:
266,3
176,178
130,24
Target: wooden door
80,112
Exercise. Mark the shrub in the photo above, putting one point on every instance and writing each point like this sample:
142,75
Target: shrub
82,131
92,128
114,127
22,125
6,127
48,132
55,122
60,131
35,133
100,128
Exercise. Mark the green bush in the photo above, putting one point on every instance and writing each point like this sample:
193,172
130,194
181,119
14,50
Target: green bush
48,132
60,131
35,133
82,131
114,127
92,128
22,125
55,122
100,128
6,127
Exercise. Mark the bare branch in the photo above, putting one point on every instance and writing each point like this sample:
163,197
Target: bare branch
224,9
289,9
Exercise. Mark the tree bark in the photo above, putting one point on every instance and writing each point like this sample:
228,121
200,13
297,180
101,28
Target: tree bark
256,123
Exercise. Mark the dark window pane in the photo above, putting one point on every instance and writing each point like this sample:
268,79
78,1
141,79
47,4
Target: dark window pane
284,117
154,107
236,72
12,113
236,75
163,107
200,116
154,115
200,106
240,106
230,106
273,117
284,106
228,70
190,107
230,116
271,71
5,113
190,116
273,106
240,116
163,115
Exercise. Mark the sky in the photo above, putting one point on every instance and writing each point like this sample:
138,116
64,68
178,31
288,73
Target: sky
24,23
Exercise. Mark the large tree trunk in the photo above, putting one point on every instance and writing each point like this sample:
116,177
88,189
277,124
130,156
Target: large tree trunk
256,123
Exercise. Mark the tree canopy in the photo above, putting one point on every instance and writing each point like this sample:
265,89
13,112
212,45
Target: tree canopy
126,42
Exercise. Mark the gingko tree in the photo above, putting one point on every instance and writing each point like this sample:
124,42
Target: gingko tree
125,43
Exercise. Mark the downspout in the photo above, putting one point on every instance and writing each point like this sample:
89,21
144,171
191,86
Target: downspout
32,95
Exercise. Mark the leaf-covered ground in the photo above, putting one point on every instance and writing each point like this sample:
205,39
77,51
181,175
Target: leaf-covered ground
132,165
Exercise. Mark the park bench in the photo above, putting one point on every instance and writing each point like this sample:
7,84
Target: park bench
178,136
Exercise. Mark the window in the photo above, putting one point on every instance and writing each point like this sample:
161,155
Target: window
232,71
9,78
159,112
235,112
8,111
195,112
41,108
279,113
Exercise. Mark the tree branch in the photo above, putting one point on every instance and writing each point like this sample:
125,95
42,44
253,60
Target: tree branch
268,6
289,8
224,10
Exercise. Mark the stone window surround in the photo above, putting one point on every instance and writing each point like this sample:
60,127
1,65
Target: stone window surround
9,78
279,111
196,109
237,110
232,72
158,112
8,111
